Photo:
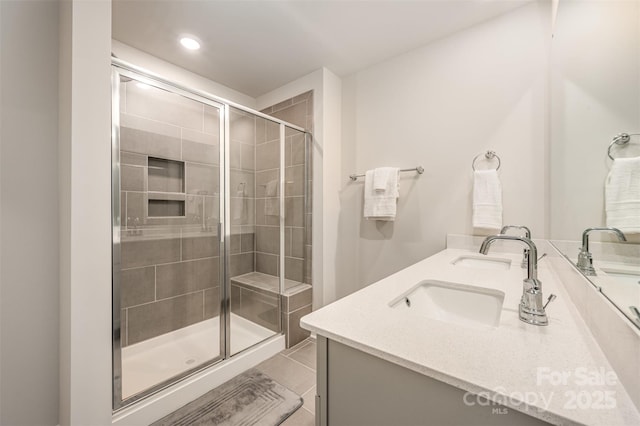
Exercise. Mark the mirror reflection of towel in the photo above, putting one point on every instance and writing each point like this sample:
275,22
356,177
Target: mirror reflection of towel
239,206
622,195
271,205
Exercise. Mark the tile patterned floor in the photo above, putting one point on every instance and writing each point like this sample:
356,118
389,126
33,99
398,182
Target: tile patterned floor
295,368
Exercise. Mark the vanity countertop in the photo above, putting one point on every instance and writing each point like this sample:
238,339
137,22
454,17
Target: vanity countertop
554,373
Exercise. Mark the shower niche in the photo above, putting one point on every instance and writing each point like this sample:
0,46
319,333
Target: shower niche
211,230
166,196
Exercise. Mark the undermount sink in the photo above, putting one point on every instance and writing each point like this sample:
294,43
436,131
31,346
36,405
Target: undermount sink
452,302
629,278
482,262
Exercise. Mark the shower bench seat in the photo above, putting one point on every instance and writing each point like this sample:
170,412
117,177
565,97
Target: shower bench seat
256,297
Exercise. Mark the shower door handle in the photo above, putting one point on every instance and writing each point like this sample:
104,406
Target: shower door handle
220,239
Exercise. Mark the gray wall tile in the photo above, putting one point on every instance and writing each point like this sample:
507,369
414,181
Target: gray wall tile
133,159
262,179
294,177
248,157
297,334
293,269
297,242
137,286
154,319
160,105
272,131
268,239
267,263
211,120
201,179
184,277
132,178
143,142
234,245
149,252
294,211
199,247
268,155
247,243
240,264
241,126
136,208
200,152
298,300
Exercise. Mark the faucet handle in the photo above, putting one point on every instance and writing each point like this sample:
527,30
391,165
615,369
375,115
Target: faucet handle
550,299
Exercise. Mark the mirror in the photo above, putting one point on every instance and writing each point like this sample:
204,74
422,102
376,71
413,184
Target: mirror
595,95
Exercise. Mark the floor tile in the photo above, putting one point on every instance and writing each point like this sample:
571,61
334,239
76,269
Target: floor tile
289,373
294,348
310,400
306,355
300,418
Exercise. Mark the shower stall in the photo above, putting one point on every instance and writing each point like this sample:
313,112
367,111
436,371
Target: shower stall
211,220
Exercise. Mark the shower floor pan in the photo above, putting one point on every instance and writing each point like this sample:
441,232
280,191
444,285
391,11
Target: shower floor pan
155,360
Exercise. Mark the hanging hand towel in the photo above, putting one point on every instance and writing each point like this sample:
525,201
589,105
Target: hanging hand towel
487,200
381,205
622,195
381,177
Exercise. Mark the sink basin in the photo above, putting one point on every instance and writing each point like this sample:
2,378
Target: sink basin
623,277
482,262
452,302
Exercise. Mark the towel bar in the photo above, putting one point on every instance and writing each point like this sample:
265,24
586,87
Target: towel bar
489,155
620,139
418,169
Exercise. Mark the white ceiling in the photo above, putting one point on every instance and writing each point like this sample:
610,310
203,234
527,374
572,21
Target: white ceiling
257,46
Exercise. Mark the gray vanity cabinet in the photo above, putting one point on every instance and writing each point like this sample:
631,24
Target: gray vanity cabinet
356,388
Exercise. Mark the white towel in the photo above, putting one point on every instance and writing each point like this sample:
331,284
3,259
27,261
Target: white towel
487,200
381,205
622,195
381,177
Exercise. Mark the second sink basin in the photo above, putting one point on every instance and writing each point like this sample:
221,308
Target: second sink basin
482,262
629,278
452,302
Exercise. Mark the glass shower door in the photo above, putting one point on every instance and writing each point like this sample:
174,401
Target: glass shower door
254,228
167,258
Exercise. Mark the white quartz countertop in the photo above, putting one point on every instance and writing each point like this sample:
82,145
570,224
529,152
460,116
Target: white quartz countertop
556,373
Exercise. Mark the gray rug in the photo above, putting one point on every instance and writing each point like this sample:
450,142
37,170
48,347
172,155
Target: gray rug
252,398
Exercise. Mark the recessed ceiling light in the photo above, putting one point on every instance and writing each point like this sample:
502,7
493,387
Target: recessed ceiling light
189,43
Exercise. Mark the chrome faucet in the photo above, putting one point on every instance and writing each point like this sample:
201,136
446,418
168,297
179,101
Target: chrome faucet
527,234
585,259
531,309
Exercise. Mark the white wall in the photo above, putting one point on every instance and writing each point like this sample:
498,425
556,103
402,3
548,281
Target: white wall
595,94
438,106
29,213
85,212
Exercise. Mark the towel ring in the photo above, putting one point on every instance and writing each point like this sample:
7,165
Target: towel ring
489,155
620,139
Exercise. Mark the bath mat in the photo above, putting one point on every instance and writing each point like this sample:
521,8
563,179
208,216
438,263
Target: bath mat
252,398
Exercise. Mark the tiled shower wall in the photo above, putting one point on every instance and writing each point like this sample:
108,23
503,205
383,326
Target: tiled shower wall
299,111
171,265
